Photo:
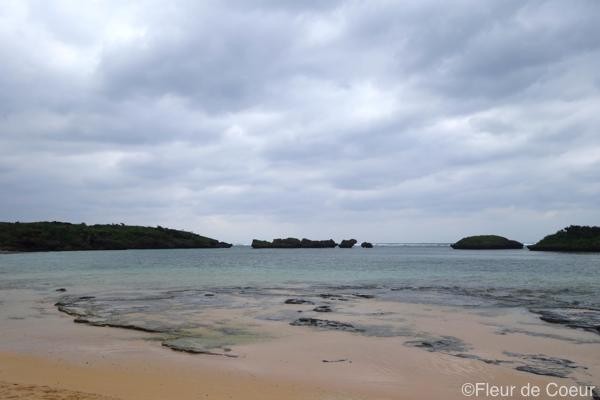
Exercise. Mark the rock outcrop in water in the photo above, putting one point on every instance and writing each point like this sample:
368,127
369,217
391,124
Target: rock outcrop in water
293,243
348,243
573,238
366,245
486,242
579,318
62,236
261,244
326,324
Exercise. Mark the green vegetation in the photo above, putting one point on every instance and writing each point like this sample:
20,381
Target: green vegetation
486,242
572,238
62,236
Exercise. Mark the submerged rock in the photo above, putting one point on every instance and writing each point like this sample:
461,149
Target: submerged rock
188,346
298,301
580,318
134,327
363,296
444,344
348,243
61,290
540,364
486,242
322,309
330,296
326,324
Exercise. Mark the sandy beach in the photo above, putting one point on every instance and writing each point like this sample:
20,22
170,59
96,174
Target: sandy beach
44,355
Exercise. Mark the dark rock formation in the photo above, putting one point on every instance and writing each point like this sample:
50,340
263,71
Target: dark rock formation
347,243
293,243
134,327
317,244
61,290
366,245
326,324
298,301
444,344
579,318
62,236
540,364
573,238
330,296
261,244
322,309
288,243
188,346
364,296
486,242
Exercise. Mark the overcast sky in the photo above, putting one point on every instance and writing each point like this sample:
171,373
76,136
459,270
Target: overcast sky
385,121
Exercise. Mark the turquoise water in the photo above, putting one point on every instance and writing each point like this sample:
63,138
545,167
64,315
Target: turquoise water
174,293
426,271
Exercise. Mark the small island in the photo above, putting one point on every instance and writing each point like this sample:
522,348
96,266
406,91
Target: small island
63,236
486,242
294,243
573,238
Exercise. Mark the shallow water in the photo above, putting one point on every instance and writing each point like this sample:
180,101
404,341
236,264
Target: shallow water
569,276
131,283
214,300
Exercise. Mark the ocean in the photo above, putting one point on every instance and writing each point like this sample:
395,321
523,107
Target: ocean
214,300
570,278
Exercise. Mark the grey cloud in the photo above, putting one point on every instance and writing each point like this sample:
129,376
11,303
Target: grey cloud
302,117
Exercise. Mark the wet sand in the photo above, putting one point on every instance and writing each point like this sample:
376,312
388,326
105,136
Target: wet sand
44,355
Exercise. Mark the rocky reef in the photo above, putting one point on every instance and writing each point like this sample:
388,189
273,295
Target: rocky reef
486,242
348,243
317,244
63,236
573,238
293,243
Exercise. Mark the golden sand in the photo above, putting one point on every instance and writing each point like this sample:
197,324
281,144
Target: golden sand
49,357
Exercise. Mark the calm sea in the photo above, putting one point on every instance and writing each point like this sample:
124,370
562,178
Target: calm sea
423,273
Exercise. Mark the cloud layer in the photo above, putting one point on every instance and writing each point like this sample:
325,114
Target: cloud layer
389,121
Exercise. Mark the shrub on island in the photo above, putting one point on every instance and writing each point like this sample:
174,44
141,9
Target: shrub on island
486,242
573,238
